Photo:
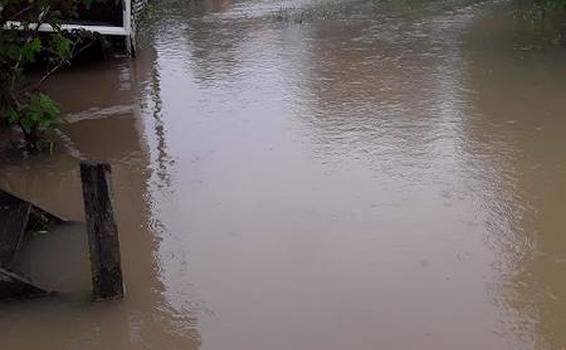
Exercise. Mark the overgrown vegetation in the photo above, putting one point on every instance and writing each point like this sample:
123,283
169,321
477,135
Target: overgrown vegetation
38,223
24,46
557,3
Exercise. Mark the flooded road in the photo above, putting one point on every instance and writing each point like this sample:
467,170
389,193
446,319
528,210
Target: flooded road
312,175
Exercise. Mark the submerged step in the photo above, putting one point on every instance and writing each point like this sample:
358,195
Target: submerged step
14,217
13,286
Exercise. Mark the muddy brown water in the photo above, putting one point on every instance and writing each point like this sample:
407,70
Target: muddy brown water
312,175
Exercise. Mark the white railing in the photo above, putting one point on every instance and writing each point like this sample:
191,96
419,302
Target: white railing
124,30
104,30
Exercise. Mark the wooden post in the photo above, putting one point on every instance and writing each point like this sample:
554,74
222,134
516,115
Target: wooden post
103,241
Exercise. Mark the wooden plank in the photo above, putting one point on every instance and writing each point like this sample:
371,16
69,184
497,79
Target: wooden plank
104,246
50,216
14,286
36,209
14,216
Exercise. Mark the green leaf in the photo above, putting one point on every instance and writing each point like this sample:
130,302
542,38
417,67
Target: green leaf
30,50
39,114
88,3
12,116
61,46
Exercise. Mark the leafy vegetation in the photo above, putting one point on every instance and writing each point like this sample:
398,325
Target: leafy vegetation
557,3
23,45
38,223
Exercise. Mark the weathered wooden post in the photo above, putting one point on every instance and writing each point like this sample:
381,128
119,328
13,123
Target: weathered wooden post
103,240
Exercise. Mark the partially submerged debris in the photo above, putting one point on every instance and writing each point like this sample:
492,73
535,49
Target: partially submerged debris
14,286
103,242
16,215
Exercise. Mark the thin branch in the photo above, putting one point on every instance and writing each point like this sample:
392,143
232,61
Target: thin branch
61,64
32,35
22,11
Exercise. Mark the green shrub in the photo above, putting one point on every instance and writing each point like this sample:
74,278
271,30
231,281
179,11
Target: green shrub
22,102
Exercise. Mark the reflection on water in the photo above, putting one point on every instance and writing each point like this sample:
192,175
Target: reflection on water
314,175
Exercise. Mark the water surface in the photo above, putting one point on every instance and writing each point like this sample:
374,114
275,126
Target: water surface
313,175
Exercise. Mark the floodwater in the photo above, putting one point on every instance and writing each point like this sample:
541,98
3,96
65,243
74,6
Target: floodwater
312,175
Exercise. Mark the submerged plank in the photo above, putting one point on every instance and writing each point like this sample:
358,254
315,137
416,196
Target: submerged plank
14,216
14,286
36,209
